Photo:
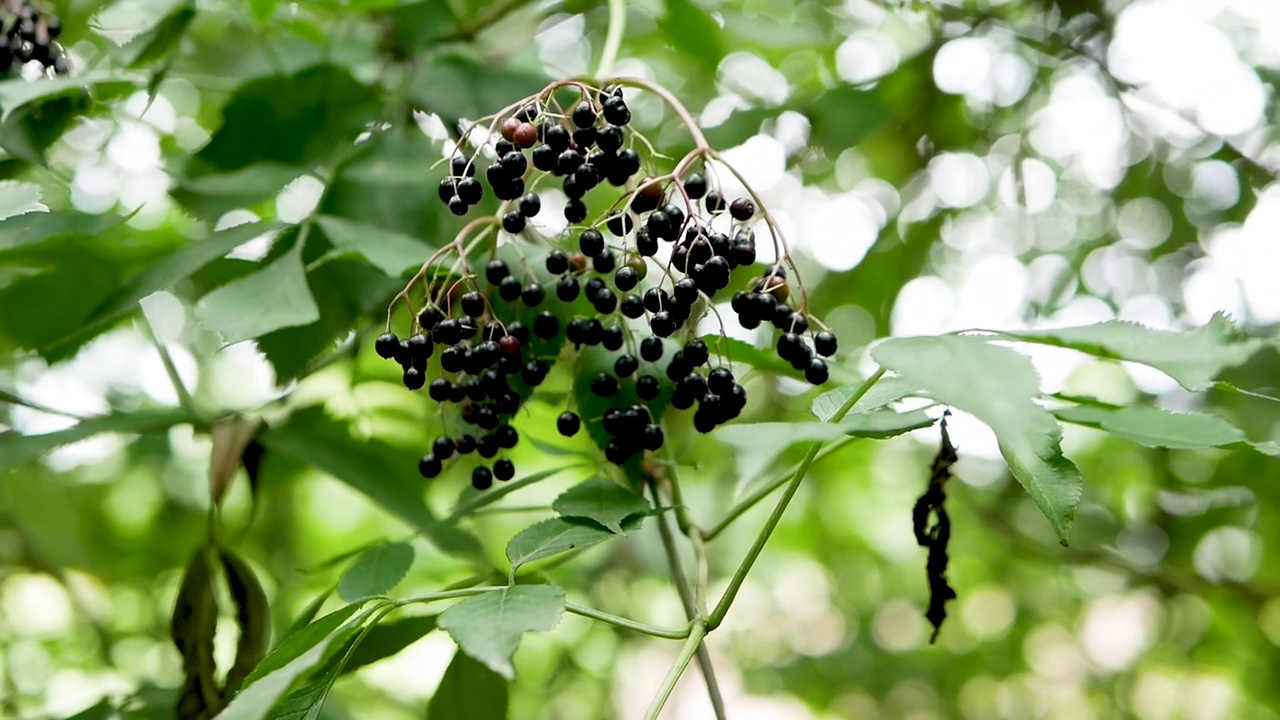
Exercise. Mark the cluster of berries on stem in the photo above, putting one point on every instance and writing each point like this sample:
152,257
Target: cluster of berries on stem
28,33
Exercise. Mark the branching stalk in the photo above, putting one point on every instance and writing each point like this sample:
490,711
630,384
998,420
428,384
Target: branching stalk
687,651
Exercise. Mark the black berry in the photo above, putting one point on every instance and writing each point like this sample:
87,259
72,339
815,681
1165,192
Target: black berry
825,343
481,478
568,424
504,469
429,466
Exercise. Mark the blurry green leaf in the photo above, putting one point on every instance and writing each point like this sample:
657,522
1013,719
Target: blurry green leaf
692,32
1154,427
212,195
997,385
158,42
469,690
387,639
18,93
460,86
295,657
389,251
843,115
124,20
739,351
194,620
56,302
416,25
469,499
253,615
376,572
263,9
552,537
488,627
296,119
386,475
887,390
391,183
277,296
308,613
306,702
19,198
1192,358
33,115
39,233
601,500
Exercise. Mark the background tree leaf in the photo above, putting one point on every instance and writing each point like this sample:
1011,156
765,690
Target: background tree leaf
889,389
253,614
996,385
604,501
391,252
489,627
1156,427
16,448
471,690
275,297
387,639
376,572
692,32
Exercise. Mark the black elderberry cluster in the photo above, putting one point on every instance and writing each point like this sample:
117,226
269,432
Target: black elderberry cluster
29,34
496,347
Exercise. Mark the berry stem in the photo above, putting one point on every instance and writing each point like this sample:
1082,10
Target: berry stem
613,38
629,624
687,652
740,575
179,388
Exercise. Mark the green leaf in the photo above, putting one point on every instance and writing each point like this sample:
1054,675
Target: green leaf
277,296
389,251
194,620
1192,358
1154,427
19,93
306,702
488,627
297,119
50,309
16,448
387,639
414,26
376,572
469,690
19,198
470,499
996,385
887,390
693,32
552,537
33,234
603,501
123,21
266,687
387,475
309,612
253,615
462,86
297,643
739,351
158,42
33,115
263,9
211,195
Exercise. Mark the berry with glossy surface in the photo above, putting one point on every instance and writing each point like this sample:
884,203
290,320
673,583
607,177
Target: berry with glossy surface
625,366
504,469
532,295
568,424
472,304
742,209
647,387
604,385
825,343
584,115
557,262
481,478
414,378
530,205
651,349
509,289
387,345
429,466
817,372
591,242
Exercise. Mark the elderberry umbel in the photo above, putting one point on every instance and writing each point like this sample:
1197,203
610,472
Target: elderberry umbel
621,289
28,34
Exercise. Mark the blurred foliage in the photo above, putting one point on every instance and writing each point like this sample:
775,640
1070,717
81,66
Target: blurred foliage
1165,604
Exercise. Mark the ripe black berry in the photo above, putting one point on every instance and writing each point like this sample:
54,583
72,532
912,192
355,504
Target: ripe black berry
651,349
584,138
472,304
488,445
448,189
695,352
458,206
584,115
568,424
609,139
557,138
545,157
720,381
567,289
504,469
789,345
386,345
816,373
612,338
603,385
662,324
546,325
714,202
530,205
652,438
591,242
470,190
825,343
513,222
605,262
460,166
647,387
440,391
686,291
620,223
495,271
429,466
533,295
509,289
481,478
742,253
604,301
557,262
616,111
568,161
506,436
515,164
626,278
465,444
632,307
742,209
695,186
575,211
414,378
625,366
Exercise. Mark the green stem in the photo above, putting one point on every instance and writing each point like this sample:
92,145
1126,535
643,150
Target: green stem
740,575
687,651
628,624
170,369
764,491
613,38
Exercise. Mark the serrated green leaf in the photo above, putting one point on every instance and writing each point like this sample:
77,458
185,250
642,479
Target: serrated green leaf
376,572
391,252
552,537
1154,427
1193,358
306,702
214,194
16,448
489,627
469,690
692,32
158,42
19,198
39,234
387,639
275,297
604,501
996,385
887,390
307,650
385,474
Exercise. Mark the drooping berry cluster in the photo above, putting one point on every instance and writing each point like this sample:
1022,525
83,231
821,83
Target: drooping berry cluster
29,34
611,297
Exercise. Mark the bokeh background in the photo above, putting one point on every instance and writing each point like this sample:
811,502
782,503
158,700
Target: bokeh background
935,165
